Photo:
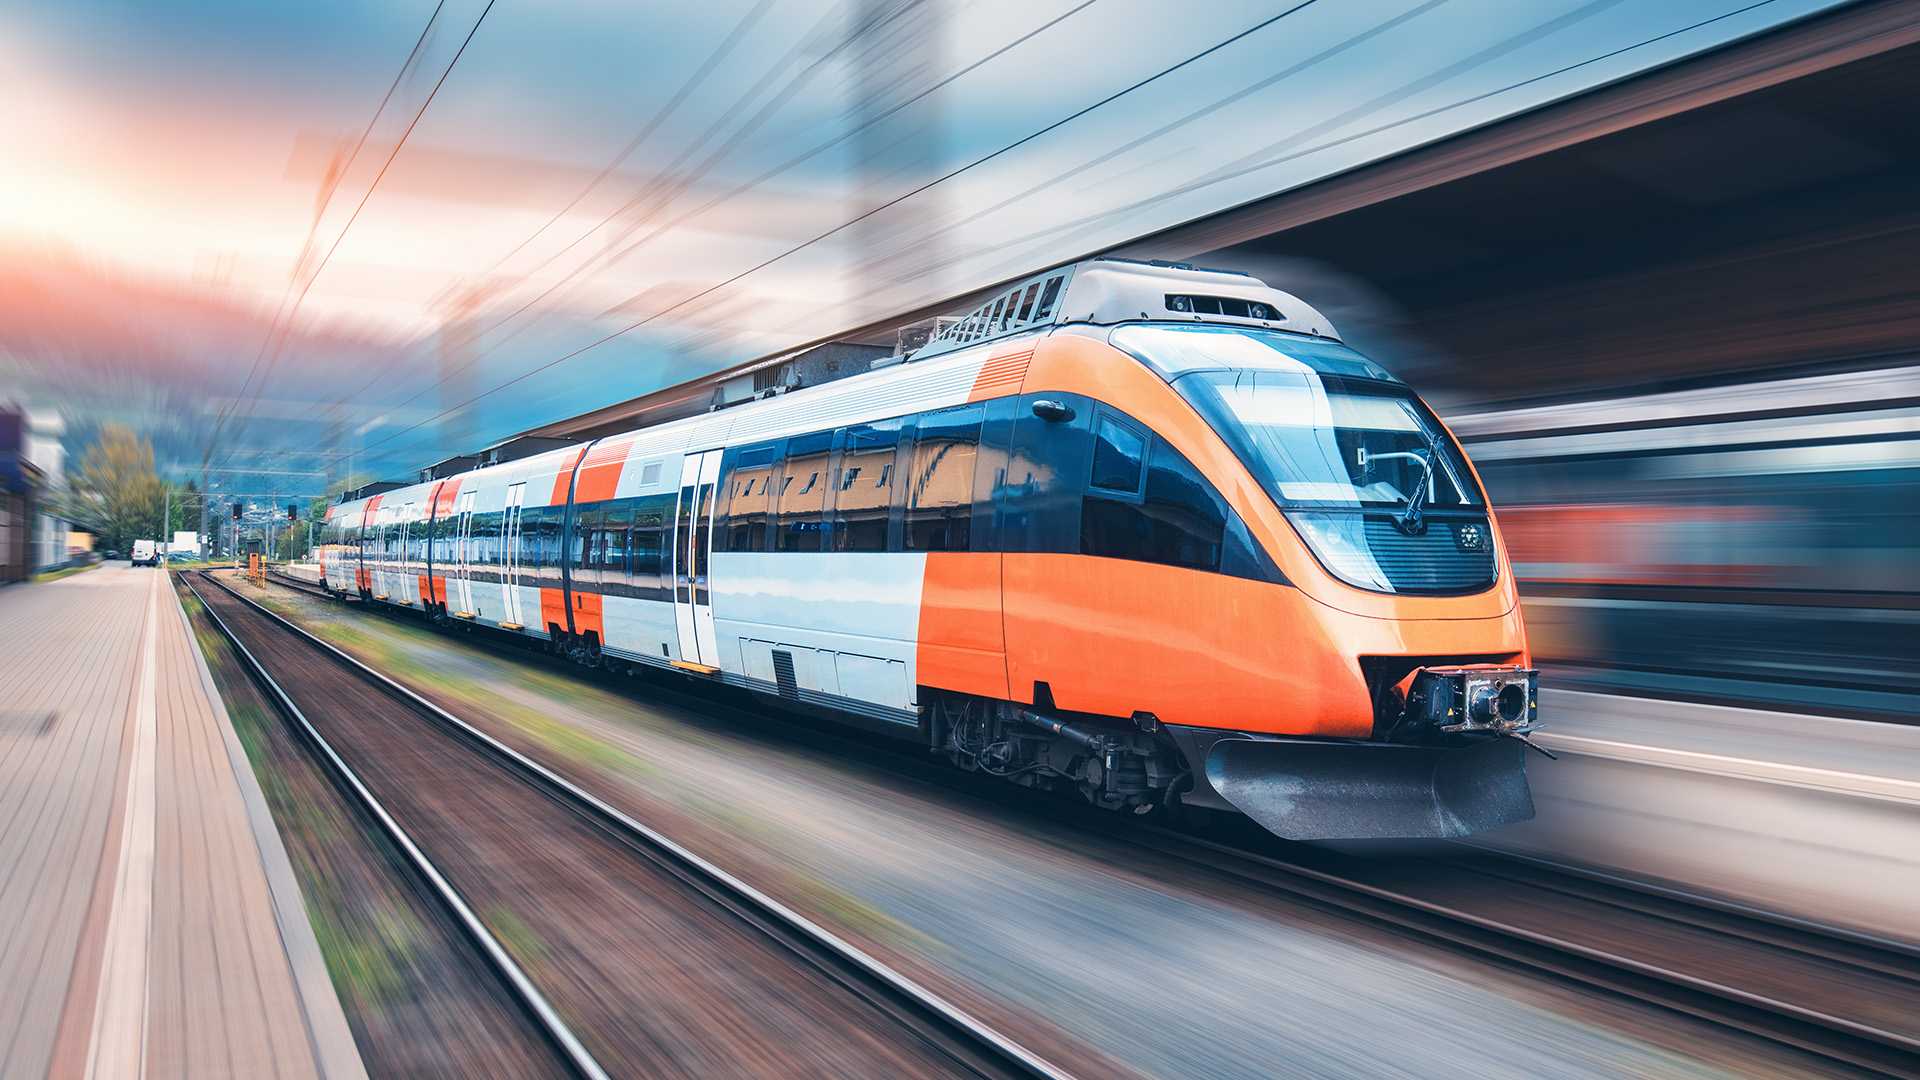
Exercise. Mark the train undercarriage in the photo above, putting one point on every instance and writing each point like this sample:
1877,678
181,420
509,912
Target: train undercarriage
1448,759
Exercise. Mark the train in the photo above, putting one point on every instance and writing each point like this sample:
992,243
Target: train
1139,531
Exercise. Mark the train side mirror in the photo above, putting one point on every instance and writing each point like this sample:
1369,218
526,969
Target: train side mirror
1053,412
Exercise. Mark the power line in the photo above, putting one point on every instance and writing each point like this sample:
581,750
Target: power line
790,163
326,202
371,188
662,193
1069,226
1055,125
879,263
1507,88
660,116
727,45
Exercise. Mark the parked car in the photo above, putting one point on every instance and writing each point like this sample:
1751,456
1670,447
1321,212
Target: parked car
145,553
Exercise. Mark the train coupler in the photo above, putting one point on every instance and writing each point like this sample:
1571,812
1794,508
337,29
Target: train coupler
1473,700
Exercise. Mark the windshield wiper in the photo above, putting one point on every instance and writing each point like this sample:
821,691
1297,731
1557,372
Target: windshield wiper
1411,520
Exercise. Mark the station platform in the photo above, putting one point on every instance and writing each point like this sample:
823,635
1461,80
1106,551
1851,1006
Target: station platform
150,922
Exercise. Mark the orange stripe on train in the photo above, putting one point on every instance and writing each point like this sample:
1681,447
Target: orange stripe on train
444,495
587,615
433,589
1001,375
563,480
962,645
553,609
600,472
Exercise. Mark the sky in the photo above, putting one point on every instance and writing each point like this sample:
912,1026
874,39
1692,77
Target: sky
306,244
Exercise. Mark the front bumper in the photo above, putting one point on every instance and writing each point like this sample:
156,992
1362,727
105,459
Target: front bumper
1324,789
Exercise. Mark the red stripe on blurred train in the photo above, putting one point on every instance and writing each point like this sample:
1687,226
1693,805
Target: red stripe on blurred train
1139,531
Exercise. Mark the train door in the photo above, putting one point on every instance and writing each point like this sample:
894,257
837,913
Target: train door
405,567
383,557
510,557
462,578
692,552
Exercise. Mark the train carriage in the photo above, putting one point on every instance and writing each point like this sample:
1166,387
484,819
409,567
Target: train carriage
1147,532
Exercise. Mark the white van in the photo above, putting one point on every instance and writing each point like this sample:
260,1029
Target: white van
145,553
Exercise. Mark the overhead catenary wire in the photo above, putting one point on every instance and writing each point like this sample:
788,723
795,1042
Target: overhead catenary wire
662,195
1294,154
604,339
326,202
843,226
287,328
660,116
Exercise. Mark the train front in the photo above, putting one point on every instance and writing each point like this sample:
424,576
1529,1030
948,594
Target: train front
1412,689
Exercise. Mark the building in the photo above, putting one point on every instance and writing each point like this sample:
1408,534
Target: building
32,465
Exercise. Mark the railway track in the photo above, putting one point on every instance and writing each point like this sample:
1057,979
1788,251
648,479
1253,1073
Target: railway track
517,986
298,584
1848,1000
1842,999
867,997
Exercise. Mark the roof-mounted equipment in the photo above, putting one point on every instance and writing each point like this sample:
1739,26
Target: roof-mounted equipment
1108,291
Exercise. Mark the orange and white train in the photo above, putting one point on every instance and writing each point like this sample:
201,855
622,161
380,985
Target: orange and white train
1144,531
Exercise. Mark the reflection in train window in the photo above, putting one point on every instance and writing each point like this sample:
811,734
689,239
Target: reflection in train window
747,480
801,515
861,509
940,480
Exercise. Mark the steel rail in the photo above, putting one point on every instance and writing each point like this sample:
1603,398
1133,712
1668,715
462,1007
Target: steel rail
1824,1033
311,588
966,1039
535,1004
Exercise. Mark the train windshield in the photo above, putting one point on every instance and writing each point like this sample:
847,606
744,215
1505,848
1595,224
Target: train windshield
1319,425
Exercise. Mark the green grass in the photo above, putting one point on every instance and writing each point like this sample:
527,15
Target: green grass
367,960
367,951
56,575
515,936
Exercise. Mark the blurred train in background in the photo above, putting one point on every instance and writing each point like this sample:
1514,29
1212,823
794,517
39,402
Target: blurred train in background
1756,543
1676,324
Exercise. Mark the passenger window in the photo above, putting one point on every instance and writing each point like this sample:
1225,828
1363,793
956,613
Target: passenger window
1117,454
801,517
1188,515
861,509
652,515
586,520
1038,491
616,524
749,473
940,480
1179,521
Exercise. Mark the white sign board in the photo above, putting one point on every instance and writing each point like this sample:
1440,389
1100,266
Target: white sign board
185,541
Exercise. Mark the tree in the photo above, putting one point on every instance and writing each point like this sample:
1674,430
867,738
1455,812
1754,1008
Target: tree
118,494
186,510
